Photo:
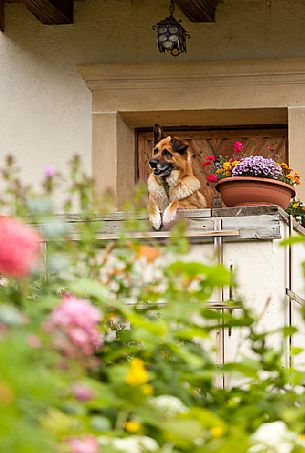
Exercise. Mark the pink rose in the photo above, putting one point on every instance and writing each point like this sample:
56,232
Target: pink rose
19,248
210,157
237,147
86,444
206,163
212,178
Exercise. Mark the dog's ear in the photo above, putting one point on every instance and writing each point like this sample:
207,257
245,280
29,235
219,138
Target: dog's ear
179,146
158,133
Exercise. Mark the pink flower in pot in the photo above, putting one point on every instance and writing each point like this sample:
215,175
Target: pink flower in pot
212,178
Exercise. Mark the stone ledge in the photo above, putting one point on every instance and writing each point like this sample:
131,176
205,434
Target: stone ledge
246,211
203,225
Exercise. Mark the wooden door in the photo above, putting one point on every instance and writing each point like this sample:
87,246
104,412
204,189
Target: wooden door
266,142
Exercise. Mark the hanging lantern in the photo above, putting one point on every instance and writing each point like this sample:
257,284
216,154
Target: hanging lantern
171,36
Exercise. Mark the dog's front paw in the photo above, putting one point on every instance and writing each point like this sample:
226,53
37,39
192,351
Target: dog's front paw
155,221
169,218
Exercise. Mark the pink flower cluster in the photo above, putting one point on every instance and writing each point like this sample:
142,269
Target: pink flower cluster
212,178
86,444
19,248
82,392
209,160
49,172
75,326
221,166
237,147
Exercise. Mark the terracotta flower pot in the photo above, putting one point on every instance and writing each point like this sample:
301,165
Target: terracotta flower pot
252,191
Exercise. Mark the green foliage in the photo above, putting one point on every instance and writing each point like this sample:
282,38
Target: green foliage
154,384
297,209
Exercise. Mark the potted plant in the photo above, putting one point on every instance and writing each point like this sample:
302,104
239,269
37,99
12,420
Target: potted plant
251,180
297,209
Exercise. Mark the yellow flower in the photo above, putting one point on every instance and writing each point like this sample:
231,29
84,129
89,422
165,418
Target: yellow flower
235,162
283,165
132,427
137,373
228,173
227,166
147,389
295,205
301,437
219,171
216,431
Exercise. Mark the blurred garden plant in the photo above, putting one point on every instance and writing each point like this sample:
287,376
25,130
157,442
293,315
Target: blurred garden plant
108,346
296,208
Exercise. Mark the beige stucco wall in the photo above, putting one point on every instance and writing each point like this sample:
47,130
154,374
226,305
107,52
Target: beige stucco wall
45,106
261,271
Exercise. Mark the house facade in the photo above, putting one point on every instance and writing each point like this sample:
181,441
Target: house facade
95,86
92,82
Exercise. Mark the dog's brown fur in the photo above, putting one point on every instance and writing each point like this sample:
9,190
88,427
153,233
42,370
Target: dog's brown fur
179,188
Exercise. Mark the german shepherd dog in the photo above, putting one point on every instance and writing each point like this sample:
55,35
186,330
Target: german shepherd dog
171,185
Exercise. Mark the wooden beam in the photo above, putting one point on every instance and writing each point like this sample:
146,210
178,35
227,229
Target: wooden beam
2,15
198,10
51,12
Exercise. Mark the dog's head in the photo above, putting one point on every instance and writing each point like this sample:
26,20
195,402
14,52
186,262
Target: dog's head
169,154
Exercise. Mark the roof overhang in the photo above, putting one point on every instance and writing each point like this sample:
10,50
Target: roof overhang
60,12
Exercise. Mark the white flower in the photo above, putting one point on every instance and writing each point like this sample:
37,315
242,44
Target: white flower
170,405
273,438
136,444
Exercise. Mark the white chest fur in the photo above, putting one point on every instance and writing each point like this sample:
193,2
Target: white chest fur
158,192
173,178
179,189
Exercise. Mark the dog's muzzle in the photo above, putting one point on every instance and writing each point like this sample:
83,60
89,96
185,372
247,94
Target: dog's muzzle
160,169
